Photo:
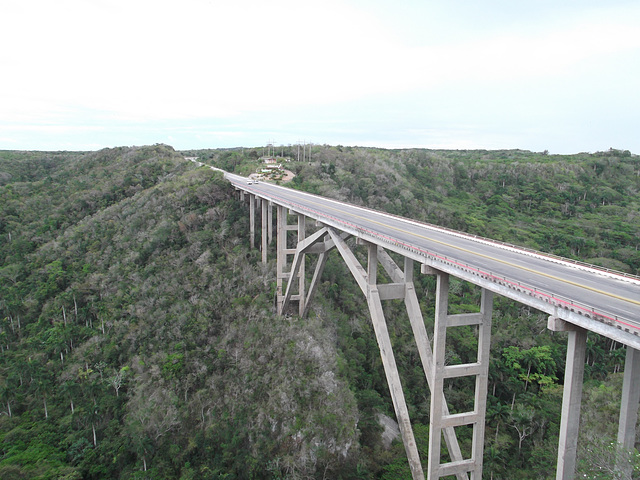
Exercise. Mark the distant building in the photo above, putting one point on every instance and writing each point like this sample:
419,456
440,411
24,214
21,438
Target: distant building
271,168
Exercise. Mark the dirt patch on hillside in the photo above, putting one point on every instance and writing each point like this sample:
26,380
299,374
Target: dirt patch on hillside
288,176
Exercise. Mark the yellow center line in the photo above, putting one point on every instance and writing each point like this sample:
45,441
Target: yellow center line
505,262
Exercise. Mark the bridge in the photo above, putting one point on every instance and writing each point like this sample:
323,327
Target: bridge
576,296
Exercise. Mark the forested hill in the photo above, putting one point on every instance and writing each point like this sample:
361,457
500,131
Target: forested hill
137,330
583,206
138,337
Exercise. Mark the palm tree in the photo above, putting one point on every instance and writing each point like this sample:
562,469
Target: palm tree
498,413
494,461
5,396
69,389
94,417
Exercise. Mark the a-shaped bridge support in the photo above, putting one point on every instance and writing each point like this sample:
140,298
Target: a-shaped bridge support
443,423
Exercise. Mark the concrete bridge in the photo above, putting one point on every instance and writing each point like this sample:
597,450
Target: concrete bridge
577,297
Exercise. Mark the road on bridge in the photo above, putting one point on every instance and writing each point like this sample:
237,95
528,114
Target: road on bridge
610,294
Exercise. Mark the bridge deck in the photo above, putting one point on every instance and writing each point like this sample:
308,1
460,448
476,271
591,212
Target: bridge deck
605,302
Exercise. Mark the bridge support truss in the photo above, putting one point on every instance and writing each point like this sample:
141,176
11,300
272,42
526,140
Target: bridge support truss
291,241
443,423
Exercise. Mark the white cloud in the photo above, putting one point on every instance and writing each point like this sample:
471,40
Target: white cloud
106,61
508,57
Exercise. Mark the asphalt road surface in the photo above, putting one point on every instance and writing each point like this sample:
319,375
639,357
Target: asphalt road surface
607,293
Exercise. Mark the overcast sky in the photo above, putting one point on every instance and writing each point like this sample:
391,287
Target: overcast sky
557,75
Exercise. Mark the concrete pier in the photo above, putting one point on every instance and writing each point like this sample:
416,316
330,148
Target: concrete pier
571,401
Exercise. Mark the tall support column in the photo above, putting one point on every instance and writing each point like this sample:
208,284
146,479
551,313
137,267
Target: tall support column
264,231
301,273
437,375
441,421
630,401
366,280
426,356
390,367
270,222
482,381
571,400
252,219
281,255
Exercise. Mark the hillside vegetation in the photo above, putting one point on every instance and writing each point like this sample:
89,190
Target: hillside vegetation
138,337
138,332
582,206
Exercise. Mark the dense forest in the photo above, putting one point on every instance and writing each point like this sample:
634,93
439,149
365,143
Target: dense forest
138,337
